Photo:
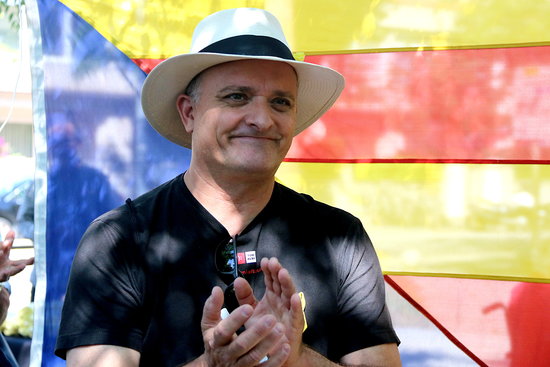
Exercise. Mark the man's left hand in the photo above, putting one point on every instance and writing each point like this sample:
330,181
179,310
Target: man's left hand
280,300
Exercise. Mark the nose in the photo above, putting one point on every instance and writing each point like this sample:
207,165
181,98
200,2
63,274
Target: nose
260,114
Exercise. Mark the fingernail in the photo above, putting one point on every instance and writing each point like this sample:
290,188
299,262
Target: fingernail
247,311
269,322
278,329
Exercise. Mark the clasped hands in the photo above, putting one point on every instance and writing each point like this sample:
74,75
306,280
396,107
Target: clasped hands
273,325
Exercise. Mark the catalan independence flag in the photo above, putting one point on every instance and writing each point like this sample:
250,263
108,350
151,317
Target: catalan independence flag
440,143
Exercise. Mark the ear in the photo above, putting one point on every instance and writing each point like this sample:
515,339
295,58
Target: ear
185,107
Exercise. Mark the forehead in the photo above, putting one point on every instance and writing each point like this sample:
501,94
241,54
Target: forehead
265,73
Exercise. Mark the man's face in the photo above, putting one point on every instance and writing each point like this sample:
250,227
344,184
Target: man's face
244,117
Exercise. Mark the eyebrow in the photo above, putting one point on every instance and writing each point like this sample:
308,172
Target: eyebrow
235,88
249,90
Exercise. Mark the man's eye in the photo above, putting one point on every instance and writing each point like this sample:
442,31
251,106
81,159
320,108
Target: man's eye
282,102
236,97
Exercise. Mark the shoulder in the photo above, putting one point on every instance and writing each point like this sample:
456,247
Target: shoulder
307,209
166,191
147,205
318,225
121,222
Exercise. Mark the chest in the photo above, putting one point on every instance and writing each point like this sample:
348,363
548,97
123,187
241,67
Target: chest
174,329
182,273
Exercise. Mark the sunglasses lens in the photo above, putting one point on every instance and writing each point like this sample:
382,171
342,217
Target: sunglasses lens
225,258
226,265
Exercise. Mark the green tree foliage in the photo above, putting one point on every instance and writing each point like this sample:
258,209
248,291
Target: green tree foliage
10,9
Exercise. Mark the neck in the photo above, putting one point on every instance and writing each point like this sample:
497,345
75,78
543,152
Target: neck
233,202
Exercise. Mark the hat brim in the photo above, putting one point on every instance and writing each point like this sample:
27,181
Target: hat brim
318,89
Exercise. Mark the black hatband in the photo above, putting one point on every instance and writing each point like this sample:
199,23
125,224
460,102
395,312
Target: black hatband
251,46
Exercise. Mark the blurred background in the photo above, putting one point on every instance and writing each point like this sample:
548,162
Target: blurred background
17,174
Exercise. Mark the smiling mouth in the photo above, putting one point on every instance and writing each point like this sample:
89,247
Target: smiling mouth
255,138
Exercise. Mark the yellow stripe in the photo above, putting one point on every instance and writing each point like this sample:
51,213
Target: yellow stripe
157,28
473,220
149,28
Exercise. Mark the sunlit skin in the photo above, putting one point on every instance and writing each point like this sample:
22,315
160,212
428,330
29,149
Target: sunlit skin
243,121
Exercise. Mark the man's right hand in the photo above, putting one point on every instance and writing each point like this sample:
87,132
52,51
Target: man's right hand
223,347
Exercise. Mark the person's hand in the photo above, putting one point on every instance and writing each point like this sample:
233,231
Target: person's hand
10,267
280,300
4,304
223,347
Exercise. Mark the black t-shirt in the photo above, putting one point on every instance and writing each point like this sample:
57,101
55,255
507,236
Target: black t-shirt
142,273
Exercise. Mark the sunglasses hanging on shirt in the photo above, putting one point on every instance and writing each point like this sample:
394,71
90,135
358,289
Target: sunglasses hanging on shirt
226,266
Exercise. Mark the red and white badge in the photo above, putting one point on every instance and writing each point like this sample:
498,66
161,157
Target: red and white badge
248,257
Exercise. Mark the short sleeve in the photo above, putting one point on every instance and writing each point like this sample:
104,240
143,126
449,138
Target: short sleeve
103,303
363,317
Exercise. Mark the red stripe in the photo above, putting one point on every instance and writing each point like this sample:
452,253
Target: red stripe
147,64
487,104
442,161
445,331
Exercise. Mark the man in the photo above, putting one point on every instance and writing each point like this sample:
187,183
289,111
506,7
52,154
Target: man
147,279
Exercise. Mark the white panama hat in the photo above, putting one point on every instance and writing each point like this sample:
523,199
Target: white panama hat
231,35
